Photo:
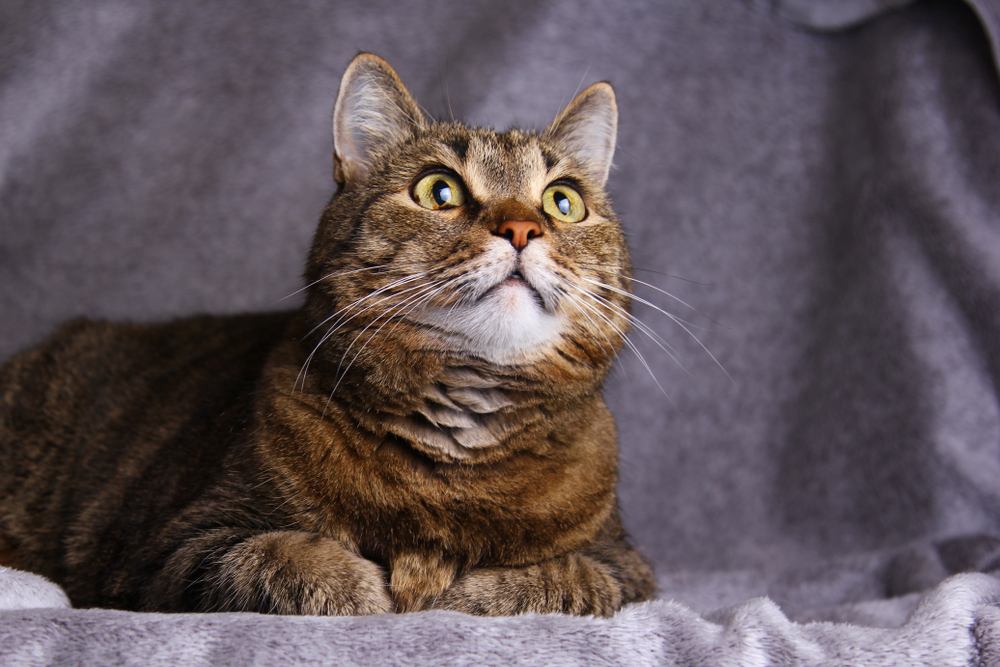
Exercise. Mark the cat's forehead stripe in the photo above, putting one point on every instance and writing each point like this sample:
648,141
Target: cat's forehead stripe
460,145
505,165
550,159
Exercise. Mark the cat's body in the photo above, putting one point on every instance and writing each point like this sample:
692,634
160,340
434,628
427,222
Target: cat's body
451,459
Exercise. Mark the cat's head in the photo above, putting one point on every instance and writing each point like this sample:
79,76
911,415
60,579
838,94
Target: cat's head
499,246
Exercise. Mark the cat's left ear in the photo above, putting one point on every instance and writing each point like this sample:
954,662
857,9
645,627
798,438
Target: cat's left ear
587,127
373,111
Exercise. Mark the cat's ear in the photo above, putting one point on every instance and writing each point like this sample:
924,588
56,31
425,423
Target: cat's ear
586,129
374,110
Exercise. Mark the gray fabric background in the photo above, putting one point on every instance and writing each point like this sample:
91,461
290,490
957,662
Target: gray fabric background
821,180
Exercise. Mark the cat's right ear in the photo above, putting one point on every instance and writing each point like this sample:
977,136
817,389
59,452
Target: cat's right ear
373,111
586,129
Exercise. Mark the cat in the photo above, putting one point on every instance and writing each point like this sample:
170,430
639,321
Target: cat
426,432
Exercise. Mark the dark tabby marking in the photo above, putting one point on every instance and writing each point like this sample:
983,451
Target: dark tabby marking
427,431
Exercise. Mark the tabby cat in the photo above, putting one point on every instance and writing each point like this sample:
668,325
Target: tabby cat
426,432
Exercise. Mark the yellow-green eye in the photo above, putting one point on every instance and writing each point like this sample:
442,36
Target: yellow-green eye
563,203
439,190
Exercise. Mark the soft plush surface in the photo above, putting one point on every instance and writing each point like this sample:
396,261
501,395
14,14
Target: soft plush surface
25,590
819,179
957,624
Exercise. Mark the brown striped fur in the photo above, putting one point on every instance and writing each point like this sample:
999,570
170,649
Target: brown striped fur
194,465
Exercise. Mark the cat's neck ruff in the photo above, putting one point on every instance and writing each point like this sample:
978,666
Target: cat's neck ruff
463,411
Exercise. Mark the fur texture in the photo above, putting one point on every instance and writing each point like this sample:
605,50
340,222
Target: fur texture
427,431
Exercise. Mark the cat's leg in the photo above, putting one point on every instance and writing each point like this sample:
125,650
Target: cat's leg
418,579
572,584
280,572
596,580
630,568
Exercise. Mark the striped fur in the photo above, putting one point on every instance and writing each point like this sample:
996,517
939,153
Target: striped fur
446,448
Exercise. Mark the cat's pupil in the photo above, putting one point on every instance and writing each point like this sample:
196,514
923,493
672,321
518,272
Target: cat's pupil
562,203
441,193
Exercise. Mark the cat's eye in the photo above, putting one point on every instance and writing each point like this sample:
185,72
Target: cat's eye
438,190
563,203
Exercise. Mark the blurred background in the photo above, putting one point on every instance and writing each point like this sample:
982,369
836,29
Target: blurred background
819,180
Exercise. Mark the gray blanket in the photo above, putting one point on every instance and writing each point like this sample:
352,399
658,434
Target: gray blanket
957,624
819,179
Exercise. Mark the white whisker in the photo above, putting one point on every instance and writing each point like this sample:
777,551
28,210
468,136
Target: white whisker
390,285
341,321
331,275
573,299
673,317
666,293
632,346
414,299
423,288
607,267
650,333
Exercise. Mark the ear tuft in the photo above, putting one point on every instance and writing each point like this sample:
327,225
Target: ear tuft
373,111
587,128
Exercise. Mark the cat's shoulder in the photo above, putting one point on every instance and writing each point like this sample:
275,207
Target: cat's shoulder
83,335
84,351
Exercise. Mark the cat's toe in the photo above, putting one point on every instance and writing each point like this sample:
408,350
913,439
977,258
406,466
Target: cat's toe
574,585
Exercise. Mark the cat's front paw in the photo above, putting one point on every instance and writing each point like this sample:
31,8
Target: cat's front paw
573,584
297,573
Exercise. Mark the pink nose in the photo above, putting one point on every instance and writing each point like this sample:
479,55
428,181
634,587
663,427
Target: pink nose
519,232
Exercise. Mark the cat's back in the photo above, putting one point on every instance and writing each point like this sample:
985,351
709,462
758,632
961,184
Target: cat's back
96,412
85,376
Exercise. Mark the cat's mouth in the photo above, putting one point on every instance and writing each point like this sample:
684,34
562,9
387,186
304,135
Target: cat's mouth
515,280
506,321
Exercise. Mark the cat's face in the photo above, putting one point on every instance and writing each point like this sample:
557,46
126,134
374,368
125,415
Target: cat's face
498,245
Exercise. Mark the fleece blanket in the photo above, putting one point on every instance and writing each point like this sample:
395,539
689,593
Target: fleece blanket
816,184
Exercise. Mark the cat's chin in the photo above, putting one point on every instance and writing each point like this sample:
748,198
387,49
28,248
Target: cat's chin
506,326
